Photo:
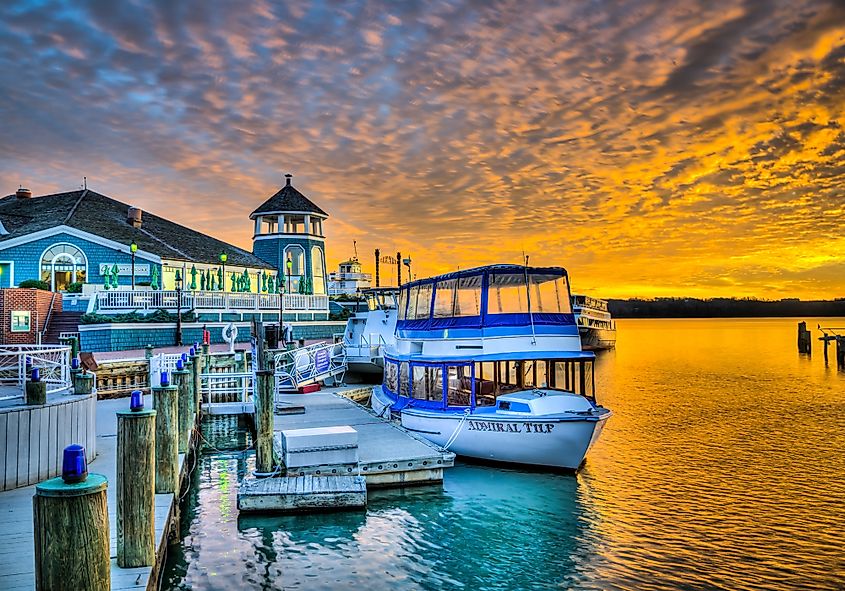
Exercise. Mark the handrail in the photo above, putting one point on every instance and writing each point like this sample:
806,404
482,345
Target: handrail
43,332
53,361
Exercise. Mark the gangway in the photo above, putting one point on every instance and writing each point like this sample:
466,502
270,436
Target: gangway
308,365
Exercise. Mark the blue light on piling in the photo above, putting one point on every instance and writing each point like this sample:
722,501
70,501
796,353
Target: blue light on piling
193,351
74,465
36,375
165,379
184,358
180,365
136,401
74,363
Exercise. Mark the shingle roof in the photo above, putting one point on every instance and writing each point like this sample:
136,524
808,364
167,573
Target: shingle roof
288,199
97,214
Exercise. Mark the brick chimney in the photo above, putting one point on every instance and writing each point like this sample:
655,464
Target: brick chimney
23,193
133,216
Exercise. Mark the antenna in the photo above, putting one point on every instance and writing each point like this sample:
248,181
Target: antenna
355,248
85,183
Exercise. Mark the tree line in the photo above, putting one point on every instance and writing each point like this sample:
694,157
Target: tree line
723,308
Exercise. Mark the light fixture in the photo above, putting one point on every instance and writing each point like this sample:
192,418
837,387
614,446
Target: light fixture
74,465
133,247
136,401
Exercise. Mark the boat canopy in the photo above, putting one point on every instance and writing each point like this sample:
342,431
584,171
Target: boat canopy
492,296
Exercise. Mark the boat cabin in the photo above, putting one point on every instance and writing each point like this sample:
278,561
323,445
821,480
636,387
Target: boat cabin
381,298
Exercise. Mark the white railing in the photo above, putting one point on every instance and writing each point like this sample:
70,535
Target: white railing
127,301
365,347
226,387
308,365
52,361
162,362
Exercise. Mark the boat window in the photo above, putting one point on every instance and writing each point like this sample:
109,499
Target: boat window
575,376
423,301
468,296
459,385
403,300
391,376
428,382
507,294
403,379
387,301
534,374
444,298
549,294
413,293
372,302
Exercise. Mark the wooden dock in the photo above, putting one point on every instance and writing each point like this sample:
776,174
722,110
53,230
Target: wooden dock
388,455
302,493
17,556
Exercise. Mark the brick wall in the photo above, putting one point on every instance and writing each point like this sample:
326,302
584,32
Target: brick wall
36,302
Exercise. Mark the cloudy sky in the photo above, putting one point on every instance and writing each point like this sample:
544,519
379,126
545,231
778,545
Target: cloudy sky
652,148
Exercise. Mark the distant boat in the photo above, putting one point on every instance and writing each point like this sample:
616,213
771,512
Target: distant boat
368,332
595,324
487,363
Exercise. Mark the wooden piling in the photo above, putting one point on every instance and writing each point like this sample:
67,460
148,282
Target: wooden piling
840,352
166,438
36,392
136,463
264,463
196,369
83,383
71,529
183,380
805,342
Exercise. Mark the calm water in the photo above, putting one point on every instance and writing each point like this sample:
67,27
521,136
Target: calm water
722,468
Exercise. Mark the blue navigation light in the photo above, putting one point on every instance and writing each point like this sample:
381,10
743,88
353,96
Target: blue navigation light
36,375
165,379
74,363
180,365
193,351
184,358
136,401
74,465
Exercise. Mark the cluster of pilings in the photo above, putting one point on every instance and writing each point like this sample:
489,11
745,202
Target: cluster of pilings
829,335
70,512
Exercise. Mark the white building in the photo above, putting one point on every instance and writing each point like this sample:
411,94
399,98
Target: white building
349,278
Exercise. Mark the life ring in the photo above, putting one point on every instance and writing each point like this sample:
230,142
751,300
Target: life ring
230,333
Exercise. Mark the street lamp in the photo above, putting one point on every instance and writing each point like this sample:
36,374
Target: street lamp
289,265
178,308
223,258
133,248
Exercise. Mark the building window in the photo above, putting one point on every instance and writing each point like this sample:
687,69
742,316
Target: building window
317,273
20,321
63,264
296,255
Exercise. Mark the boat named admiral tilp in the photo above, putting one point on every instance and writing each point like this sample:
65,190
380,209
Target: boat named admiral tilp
487,363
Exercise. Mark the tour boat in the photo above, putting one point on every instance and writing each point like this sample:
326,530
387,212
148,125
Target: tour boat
368,332
595,325
487,363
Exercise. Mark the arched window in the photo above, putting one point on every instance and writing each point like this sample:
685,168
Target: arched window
63,264
294,272
317,274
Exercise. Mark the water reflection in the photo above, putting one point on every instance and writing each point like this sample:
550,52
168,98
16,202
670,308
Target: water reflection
722,468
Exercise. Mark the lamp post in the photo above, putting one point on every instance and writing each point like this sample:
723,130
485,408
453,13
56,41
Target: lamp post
133,248
289,265
223,258
280,287
178,309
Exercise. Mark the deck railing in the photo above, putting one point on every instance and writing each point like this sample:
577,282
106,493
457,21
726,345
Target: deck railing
52,361
127,301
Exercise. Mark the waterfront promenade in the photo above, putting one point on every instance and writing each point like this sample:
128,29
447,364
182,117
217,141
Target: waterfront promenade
17,552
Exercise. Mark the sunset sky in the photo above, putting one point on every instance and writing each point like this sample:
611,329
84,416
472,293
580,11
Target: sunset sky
678,148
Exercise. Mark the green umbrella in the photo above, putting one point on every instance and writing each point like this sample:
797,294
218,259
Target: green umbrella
106,279
234,281
202,281
212,285
154,282
220,278
263,281
193,277
114,272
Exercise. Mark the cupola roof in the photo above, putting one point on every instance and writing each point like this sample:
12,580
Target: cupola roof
288,199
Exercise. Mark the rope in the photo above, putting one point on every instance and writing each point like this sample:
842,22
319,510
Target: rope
457,431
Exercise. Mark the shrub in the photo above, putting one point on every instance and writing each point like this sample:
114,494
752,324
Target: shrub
75,287
131,317
36,283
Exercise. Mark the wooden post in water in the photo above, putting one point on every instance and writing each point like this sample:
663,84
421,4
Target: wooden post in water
166,438
196,373
182,379
264,422
840,352
83,383
71,528
805,343
136,463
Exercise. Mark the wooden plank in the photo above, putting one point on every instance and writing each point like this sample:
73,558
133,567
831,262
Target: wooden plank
43,444
61,432
34,443
53,441
23,447
3,425
11,475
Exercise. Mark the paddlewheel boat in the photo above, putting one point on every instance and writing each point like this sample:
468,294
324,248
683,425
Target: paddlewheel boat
487,363
597,327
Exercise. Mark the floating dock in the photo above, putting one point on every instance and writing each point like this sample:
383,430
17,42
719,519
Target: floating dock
302,493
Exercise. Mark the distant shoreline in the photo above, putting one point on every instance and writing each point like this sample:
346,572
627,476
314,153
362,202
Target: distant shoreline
724,308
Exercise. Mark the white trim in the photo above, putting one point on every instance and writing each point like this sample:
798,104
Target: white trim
11,271
300,236
254,215
81,235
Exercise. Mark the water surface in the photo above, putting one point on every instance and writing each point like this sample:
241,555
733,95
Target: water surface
722,468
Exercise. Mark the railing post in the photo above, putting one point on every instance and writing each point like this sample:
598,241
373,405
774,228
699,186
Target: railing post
136,488
167,447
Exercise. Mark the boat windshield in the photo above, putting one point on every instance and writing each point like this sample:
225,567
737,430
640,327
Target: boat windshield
381,301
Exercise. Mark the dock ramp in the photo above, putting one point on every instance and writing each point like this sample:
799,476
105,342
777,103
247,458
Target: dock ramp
309,365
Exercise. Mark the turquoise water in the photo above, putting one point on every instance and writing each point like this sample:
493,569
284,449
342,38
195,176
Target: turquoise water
722,468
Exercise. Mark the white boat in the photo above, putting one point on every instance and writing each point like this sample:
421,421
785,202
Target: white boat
368,332
487,363
595,324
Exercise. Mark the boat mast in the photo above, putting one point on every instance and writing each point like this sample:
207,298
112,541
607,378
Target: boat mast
528,295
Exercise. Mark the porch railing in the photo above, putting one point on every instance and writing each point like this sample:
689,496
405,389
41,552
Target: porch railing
127,301
52,361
